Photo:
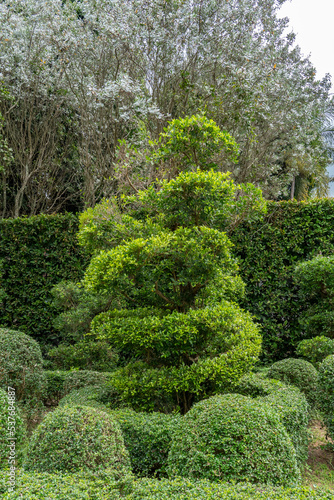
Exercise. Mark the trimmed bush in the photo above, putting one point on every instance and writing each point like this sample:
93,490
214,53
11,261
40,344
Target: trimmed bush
78,439
148,438
287,401
60,383
326,393
86,396
21,365
299,373
11,426
233,438
316,350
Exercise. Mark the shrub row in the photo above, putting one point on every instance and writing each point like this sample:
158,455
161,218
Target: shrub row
43,486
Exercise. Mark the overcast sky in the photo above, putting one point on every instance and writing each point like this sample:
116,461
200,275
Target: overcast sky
313,23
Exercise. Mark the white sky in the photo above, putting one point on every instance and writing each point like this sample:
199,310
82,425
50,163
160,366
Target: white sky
313,23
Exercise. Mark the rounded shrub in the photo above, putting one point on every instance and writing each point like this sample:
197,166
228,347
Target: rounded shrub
299,373
326,393
77,438
21,365
315,350
233,438
287,401
148,438
86,396
11,426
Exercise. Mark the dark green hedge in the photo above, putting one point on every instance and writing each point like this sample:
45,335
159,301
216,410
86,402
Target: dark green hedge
36,253
267,252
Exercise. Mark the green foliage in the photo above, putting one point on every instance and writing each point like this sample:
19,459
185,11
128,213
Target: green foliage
148,439
181,489
89,355
174,273
268,252
78,438
44,486
233,438
21,365
315,350
186,355
11,426
196,142
288,402
86,396
297,372
200,198
326,393
60,383
316,280
79,308
36,253
60,486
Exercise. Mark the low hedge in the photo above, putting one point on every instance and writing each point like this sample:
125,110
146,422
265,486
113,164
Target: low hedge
148,438
60,383
289,403
77,439
59,486
233,438
44,486
299,373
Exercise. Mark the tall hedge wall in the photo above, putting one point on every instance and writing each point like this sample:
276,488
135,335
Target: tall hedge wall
268,251
40,251
36,253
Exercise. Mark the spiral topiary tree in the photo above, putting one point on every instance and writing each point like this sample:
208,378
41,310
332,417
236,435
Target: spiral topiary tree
167,257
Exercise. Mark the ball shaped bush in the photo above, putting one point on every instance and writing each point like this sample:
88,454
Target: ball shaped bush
233,438
21,364
78,438
316,349
11,426
297,372
326,393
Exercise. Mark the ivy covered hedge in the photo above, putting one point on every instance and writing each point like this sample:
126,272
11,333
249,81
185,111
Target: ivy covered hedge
268,252
38,252
35,254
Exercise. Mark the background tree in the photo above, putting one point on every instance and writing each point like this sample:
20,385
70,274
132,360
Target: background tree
85,75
